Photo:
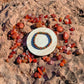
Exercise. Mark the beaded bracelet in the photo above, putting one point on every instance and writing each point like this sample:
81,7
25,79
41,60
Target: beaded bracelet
46,45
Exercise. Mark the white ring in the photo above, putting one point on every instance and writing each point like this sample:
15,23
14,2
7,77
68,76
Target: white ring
45,51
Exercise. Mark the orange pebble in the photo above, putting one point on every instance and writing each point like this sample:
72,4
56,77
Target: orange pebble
19,61
18,44
39,76
60,29
64,61
13,31
14,27
13,47
27,17
39,70
7,60
47,59
62,64
44,57
15,35
55,19
25,61
44,69
30,59
39,24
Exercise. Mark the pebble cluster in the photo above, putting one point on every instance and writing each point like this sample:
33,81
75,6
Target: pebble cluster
26,57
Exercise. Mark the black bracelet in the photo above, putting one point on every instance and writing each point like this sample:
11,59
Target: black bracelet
46,45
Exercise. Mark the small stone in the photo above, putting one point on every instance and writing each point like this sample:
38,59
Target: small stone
60,19
65,36
72,29
66,41
66,21
46,16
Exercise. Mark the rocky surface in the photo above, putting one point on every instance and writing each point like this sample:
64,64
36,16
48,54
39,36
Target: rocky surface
13,12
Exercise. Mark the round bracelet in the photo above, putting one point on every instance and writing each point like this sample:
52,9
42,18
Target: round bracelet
46,45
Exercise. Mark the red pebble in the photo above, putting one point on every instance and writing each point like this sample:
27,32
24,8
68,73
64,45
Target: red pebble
13,31
15,35
67,16
13,52
61,64
59,57
69,21
27,17
60,29
43,23
53,15
42,68
46,16
10,56
19,60
69,52
35,60
56,25
35,20
60,19
41,16
36,74
65,35
66,41
20,25
73,45
64,47
66,21
72,29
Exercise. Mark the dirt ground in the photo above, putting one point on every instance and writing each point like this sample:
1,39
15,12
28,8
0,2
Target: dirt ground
11,12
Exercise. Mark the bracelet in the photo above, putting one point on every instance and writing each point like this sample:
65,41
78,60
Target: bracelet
46,45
